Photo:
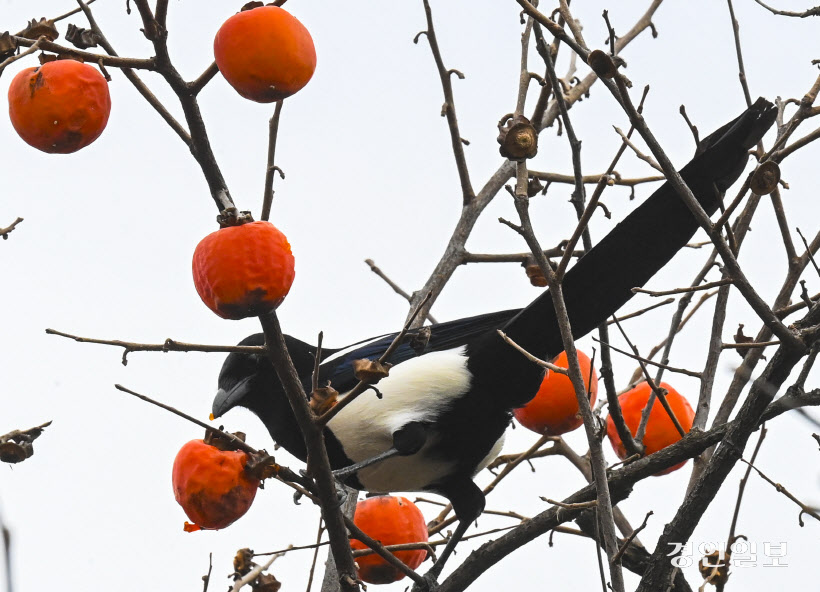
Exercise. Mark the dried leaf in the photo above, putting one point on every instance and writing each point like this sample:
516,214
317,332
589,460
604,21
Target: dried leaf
82,38
741,338
266,583
251,6
370,371
12,452
8,45
16,446
42,28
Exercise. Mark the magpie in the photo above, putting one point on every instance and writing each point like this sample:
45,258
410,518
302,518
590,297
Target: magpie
446,405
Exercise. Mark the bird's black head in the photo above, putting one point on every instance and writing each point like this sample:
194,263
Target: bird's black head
249,380
244,379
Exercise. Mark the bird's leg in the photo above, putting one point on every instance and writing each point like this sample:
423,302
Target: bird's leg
468,503
407,440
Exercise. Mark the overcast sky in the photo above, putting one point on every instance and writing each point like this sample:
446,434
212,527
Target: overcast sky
105,251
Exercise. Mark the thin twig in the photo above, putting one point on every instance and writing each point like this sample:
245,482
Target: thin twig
804,509
631,538
4,232
650,362
396,288
270,170
697,288
168,346
742,487
449,108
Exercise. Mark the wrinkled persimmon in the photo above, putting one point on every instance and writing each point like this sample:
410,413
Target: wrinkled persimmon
660,431
212,485
265,53
243,271
59,107
554,409
391,521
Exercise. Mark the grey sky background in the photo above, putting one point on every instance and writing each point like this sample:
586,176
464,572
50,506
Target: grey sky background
105,251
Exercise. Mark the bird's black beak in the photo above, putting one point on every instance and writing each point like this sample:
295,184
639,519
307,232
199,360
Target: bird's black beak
225,400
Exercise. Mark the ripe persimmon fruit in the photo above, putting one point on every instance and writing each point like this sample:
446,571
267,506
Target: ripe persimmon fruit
243,271
554,409
660,431
59,107
391,521
265,53
212,485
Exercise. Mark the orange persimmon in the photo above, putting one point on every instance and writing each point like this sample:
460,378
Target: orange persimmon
554,410
243,271
265,53
212,485
391,521
59,107
660,431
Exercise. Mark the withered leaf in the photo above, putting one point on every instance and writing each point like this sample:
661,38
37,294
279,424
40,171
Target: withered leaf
8,45
40,28
266,583
12,452
16,446
81,38
741,338
370,371
714,567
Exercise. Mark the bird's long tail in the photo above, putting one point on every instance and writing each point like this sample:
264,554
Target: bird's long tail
602,280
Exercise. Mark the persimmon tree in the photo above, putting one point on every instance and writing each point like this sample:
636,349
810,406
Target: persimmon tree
565,77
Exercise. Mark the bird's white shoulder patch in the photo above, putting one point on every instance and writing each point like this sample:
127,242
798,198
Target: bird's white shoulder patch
416,390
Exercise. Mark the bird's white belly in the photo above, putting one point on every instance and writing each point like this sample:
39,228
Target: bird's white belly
419,389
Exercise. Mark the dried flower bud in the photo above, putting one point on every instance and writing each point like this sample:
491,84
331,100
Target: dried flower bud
370,371
765,178
219,440
233,217
243,561
714,567
602,64
418,341
323,399
42,28
534,273
518,138
262,465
